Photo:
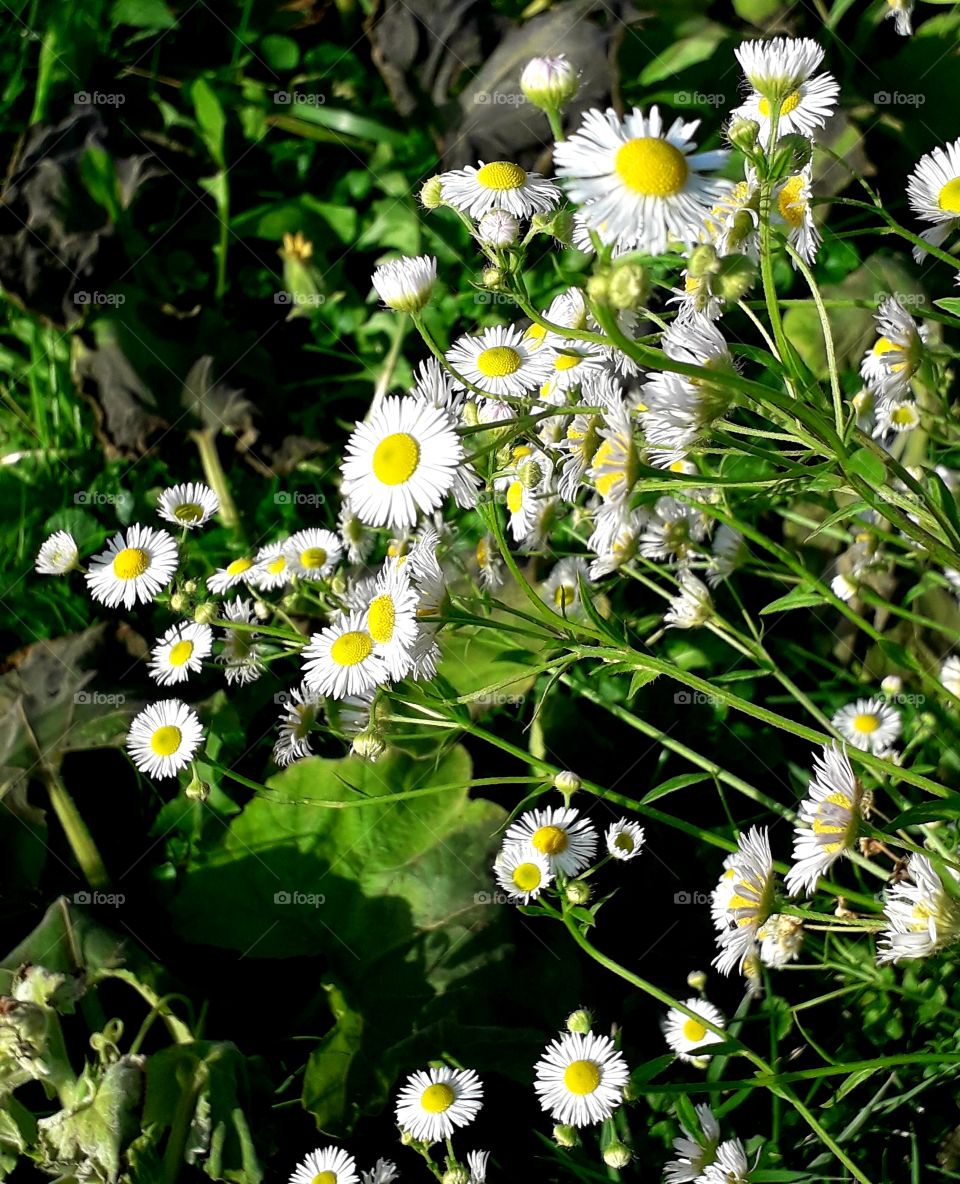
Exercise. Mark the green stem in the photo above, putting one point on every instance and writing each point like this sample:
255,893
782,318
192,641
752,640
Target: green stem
78,835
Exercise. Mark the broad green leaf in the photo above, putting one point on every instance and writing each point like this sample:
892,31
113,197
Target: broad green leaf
699,46
149,15
325,1083
868,466
210,119
949,304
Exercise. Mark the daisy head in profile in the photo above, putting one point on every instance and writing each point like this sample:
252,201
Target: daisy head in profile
498,185
58,555
933,190
188,506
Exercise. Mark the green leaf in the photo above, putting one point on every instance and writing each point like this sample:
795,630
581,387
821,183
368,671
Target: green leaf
280,53
949,304
325,1090
801,597
210,119
149,15
871,468
686,51
671,786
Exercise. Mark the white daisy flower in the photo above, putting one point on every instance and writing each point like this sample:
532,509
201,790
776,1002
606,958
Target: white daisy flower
694,1151
342,659
730,1165
522,871
406,284
477,1166
239,571
896,355
561,589
498,228
781,937
180,652
434,1102
624,840
794,212
401,462
868,724
434,384
326,1165
922,916
933,190
673,530
638,180
843,586
803,111
691,606
897,415
568,841
780,66
164,737
498,185
729,551
272,570
615,538
136,566
189,505
613,467
240,655
312,554
501,361
827,821
687,1036
580,1078
391,617
300,708
490,566
571,367
384,1171
357,539
950,675
58,554
742,901
901,11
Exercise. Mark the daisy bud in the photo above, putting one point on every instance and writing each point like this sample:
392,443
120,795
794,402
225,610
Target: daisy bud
617,1155
338,583
628,285
405,284
743,134
696,980
734,278
368,745
498,228
580,1020
431,194
471,415
261,610
301,280
190,587
568,783
206,613
530,474
565,1136
549,82
892,685
178,602
598,287
630,1092
456,1175
406,1139
702,260
197,790
578,892
863,401
492,277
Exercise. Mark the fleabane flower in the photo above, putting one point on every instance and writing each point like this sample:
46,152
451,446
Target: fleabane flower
688,1037
498,185
694,1150
312,554
240,656
163,738
901,11
639,181
781,70
897,354
522,871
189,505
933,190
950,675
780,937
238,571
568,841
922,916
896,415
180,652
580,1078
730,1165
342,660
300,709
549,82
501,361
434,1102
272,570
391,617
743,899
326,1165
691,606
58,554
624,840
405,284
869,724
401,462
793,212
561,589
477,1166
136,566
384,1171
829,818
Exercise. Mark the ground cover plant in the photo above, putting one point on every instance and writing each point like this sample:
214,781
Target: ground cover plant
482,628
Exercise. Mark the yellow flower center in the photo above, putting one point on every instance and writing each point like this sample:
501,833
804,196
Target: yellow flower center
564,595
789,104
276,566
694,1031
651,167
130,563
536,333
498,361
381,618
166,740
437,1098
903,415
949,196
188,512
501,174
623,842
526,877
865,723
581,1077
515,496
324,1178
884,345
483,553
551,840
313,558
239,566
567,361
791,204
181,652
606,482
395,458
350,649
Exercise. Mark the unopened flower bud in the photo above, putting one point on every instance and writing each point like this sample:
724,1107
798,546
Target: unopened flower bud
558,223
530,474
492,277
702,260
261,610
456,1175
369,745
549,82
616,1155
197,790
743,134
696,980
206,613
628,285
580,1021
598,287
190,587
178,602
431,193
734,277
565,1136
892,685
498,228
578,892
568,783
471,415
